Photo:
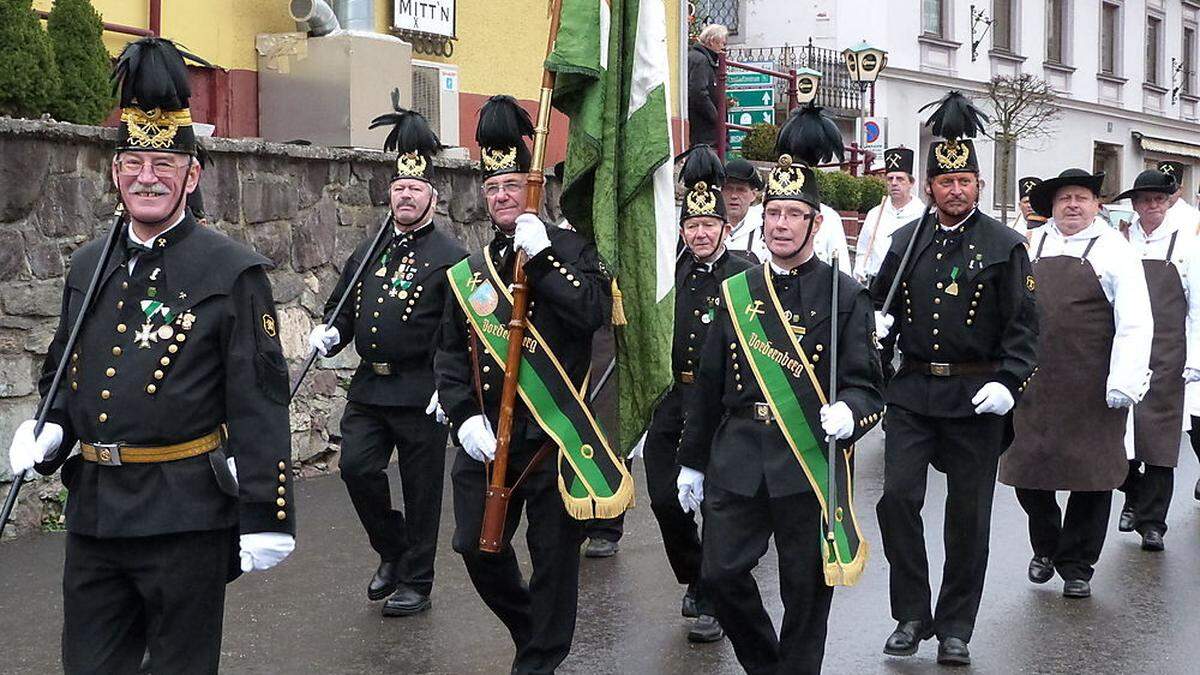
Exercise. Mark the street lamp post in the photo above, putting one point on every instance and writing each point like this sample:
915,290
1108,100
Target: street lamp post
807,83
864,62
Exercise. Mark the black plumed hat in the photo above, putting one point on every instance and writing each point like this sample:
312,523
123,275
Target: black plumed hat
501,132
956,120
702,175
412,139
152,78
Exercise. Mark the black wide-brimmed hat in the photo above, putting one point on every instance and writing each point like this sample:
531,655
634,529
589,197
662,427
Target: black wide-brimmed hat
703,176
1150,180
899,159
956,120
808,139
152,77
1041,198
741,170
1025,185
412,138
501,132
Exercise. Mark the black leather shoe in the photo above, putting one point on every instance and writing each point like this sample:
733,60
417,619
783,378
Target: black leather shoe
908,635
386,578
1041,569
706,629
1127,521
1152,540
953,652
688,607
406,602
601,548
1077,588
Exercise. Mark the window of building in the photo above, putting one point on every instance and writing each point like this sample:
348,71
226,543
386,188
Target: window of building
1056,31
1106,157
1189,60
933,17
1154,35
1002,26
1110,36
724,12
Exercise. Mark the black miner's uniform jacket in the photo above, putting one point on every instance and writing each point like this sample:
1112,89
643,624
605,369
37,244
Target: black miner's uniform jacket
570,299
210,359
739,454
394,318
989,318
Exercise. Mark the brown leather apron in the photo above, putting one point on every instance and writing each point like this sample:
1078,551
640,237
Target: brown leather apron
1066,436
1157,420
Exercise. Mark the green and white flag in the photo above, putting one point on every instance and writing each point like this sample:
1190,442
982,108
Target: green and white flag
613,83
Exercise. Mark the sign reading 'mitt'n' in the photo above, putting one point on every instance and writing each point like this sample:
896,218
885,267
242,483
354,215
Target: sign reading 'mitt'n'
435,17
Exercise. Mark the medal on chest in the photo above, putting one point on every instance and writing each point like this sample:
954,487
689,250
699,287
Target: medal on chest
148,334
952,287
402,279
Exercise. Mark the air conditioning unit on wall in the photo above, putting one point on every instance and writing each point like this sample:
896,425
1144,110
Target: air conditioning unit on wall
435,95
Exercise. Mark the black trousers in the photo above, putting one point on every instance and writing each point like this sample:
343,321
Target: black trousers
164,593
967,450
1194,436
737,530
539,616
1074,540
680,532
608,529
370,434
1148,491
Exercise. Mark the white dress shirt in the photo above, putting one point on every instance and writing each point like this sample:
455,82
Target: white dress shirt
832,237
1184,216
875,238
1117,264
747,235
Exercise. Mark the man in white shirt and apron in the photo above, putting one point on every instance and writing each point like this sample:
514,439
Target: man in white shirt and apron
1180,214
1093,365
1168,255
740,192
897,210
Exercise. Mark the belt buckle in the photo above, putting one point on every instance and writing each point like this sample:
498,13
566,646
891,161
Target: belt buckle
382,368
687,377
762,413
939,369
108,454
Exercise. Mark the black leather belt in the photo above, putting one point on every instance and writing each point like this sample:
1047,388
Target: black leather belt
759,412
949,369
382,368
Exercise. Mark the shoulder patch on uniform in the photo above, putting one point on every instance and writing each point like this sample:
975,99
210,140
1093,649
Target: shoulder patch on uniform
1030,284
268,324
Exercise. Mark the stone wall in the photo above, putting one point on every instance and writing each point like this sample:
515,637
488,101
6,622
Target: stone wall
304,207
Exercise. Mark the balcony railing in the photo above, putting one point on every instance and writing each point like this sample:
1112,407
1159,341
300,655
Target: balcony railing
836,91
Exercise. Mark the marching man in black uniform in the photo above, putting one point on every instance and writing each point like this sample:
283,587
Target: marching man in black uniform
177,395
755,440
570,299
1093,361
703,227
966,323
392,402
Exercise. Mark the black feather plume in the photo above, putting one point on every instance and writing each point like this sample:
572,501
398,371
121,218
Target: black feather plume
410,132
811,136
502,123
955,117
701,163
151,74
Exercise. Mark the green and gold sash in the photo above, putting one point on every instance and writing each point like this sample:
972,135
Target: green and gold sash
789,382
593,481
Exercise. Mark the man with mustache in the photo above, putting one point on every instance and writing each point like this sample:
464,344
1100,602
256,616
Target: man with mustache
177,395
1093,358
704,228
392,404
758,424
966,323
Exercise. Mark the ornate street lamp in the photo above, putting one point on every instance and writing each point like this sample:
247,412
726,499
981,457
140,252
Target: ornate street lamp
807,82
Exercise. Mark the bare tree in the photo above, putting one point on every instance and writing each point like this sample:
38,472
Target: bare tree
1023,111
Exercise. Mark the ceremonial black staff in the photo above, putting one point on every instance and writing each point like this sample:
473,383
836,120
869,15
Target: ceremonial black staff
337,309
831,507
114,235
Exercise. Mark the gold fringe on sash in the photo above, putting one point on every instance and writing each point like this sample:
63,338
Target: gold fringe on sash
848,574
618,306
588,508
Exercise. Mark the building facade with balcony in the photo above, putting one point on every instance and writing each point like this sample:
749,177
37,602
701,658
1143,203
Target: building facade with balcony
1124,71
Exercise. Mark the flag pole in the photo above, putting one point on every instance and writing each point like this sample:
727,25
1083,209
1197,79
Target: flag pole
497,494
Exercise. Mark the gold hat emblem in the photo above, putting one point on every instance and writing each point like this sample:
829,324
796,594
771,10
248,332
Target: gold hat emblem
411,165
700,201
155,129
951,155
785,179
498,159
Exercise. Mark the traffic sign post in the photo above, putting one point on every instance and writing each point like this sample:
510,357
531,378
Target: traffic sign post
753,98
874,135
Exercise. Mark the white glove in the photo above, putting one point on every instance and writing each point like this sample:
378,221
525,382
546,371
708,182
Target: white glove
323,338
530,235
837,420
434,408
264,550
1116,399
691,489
1191,375
993,398
478,439
25,450
883,324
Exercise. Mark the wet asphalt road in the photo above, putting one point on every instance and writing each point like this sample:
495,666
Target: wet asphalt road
310,615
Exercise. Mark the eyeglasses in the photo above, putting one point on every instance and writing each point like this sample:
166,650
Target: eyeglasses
132,166
510,188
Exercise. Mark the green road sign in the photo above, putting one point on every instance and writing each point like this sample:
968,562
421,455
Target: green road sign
744,79
750,117
736,136
752,98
